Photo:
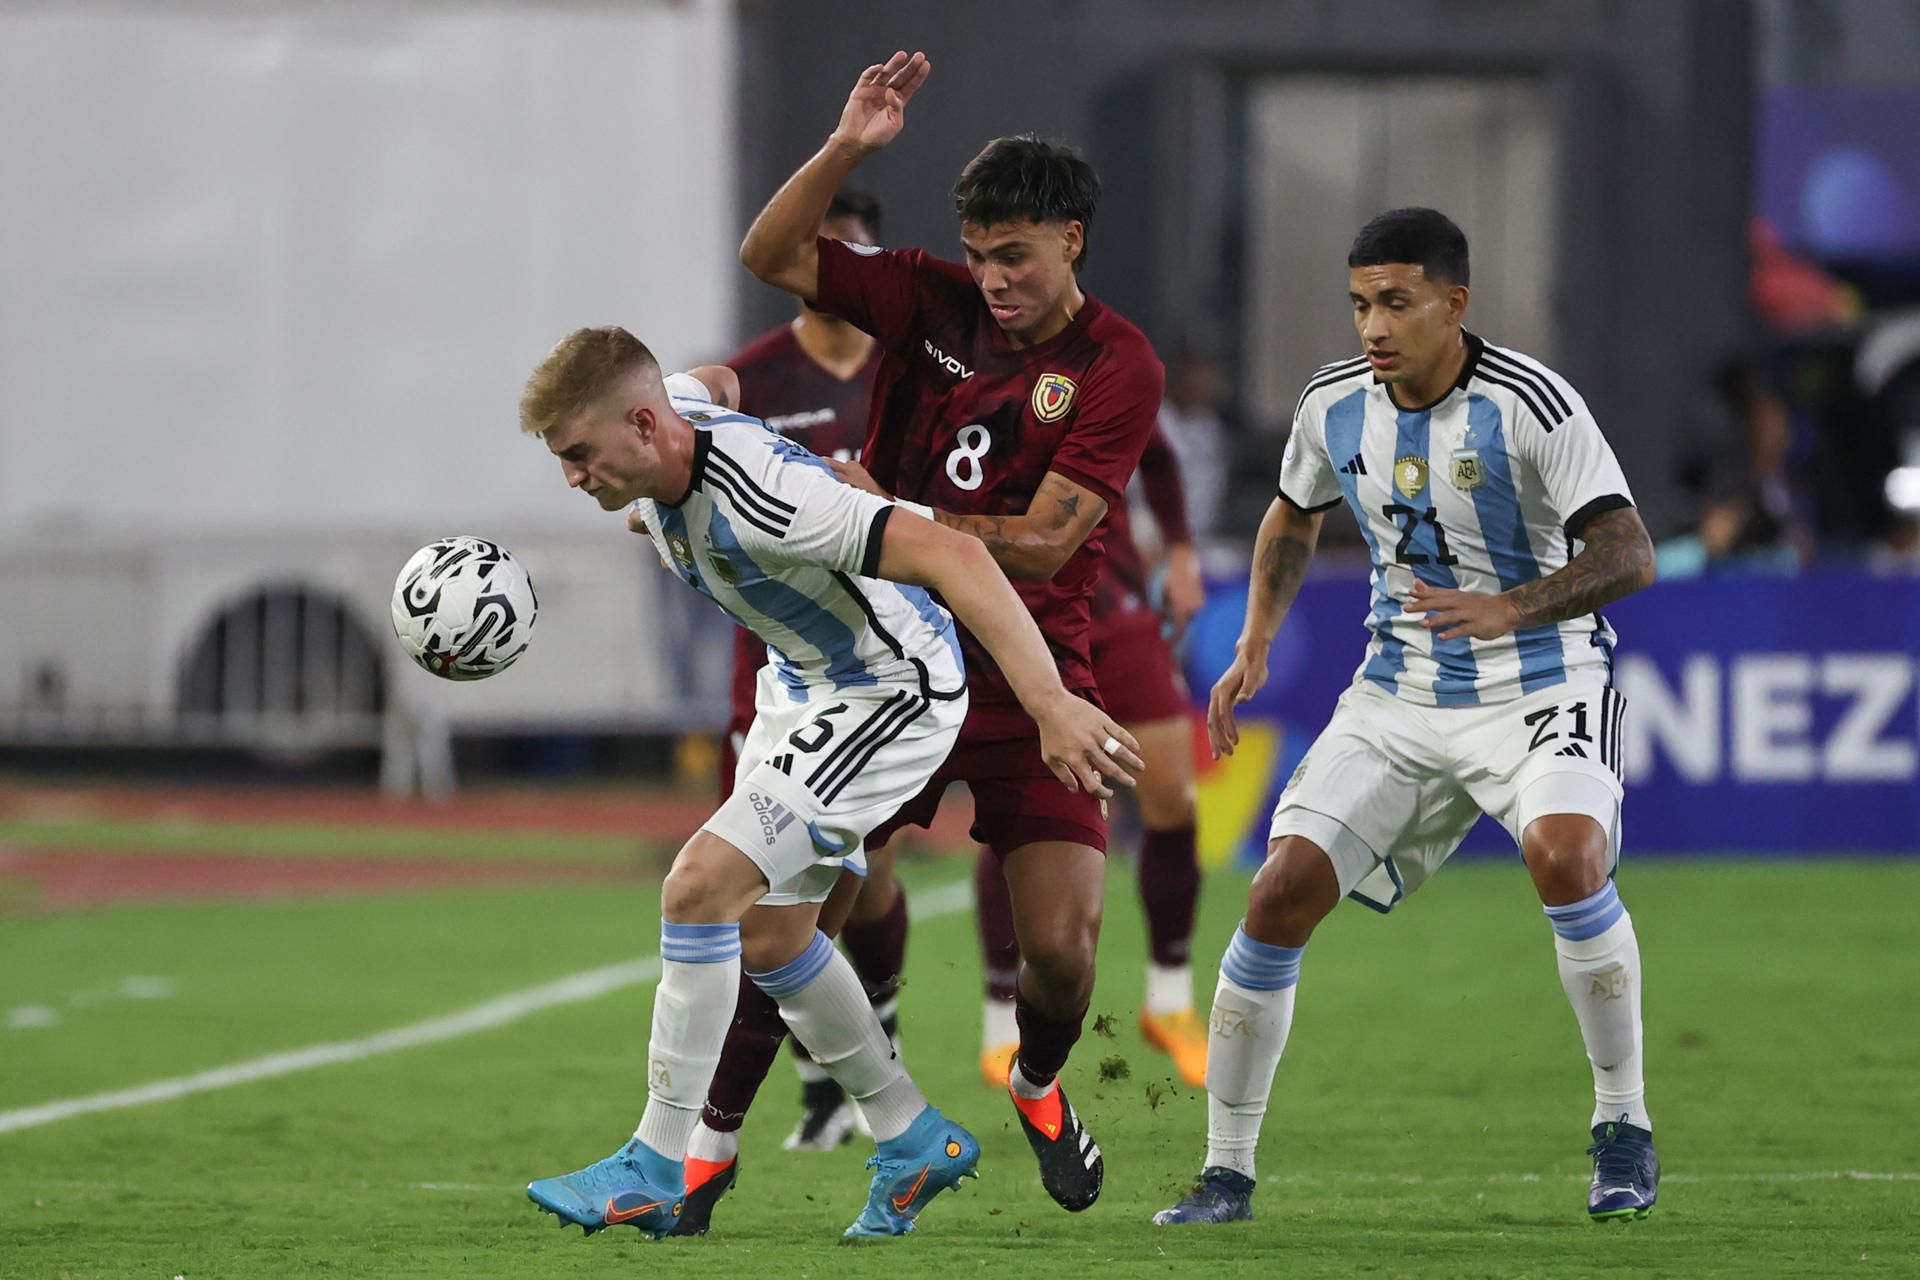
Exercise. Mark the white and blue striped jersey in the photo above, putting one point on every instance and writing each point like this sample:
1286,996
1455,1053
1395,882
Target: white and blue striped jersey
787,550
1484,490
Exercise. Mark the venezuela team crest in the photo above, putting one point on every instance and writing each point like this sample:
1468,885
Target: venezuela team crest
1052,396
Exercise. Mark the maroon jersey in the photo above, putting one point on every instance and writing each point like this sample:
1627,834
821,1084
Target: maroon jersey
1123,580
788,389
963,421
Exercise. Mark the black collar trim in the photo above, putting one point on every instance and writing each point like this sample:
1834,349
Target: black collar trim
702,442
1474,347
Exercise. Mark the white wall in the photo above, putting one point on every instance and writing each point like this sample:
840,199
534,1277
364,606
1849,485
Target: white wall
287,265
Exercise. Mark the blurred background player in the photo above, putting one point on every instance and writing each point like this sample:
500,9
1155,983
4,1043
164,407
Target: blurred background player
1487,685
865,702
1015,407
1139,679
809,380
1190,417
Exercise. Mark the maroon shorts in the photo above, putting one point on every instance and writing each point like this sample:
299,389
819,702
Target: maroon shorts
1016,799
1133,665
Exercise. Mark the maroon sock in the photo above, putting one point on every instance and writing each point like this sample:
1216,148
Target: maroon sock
1044,1041
1169,889
993,917
753,1042
878,949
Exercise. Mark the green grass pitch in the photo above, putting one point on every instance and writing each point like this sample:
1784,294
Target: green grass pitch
1428,1120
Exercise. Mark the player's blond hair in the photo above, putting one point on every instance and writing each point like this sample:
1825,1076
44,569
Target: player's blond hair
582,368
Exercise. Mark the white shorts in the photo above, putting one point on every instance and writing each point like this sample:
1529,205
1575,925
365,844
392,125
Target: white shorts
815,777
1390,788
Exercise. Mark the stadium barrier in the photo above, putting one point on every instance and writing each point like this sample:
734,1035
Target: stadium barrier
1764,715
281,642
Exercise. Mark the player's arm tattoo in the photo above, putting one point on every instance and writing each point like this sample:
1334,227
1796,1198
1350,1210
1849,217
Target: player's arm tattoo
1034,544
1617,560
991,530
1283,567
1065,509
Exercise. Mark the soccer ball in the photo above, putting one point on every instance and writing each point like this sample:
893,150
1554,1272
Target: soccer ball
463,608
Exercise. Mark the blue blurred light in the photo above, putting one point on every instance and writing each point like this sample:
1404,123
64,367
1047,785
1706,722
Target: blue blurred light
1853,205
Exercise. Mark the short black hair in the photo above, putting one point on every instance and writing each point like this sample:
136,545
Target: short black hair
863,207
1025,177
1426,237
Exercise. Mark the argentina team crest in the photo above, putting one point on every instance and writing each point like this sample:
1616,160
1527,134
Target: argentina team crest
1468,472
723,567
1052,396
1410,475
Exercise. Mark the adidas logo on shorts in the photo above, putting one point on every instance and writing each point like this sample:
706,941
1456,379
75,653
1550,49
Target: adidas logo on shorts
773,815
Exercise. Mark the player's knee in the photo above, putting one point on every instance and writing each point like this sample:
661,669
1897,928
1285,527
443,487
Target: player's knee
1061,958
1567,856
692,893
1292,892
1166,805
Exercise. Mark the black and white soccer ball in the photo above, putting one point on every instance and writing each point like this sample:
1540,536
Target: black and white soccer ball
463,608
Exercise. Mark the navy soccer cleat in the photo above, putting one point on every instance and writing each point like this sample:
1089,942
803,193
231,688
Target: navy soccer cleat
910,1170
634,1185
827,1119
1626,1172
1221,1195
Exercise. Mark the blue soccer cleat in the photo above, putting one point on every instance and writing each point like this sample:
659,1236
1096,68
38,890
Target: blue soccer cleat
635,1185
1626,1172
1221,1195
931,1156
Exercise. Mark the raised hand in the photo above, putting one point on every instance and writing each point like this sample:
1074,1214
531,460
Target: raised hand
876,110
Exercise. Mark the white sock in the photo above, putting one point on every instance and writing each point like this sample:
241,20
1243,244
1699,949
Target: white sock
712,1144
1169,988
692,1008
1023,1085
1600,971
998,1025
1247,1032
822,1000
809,1071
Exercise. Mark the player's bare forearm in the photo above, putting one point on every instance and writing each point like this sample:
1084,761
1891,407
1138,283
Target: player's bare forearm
1281,552
985,603
1617,561
1184,590
780,247
1074,733
1034,545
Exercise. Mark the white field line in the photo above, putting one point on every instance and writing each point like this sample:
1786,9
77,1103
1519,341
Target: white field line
591,984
